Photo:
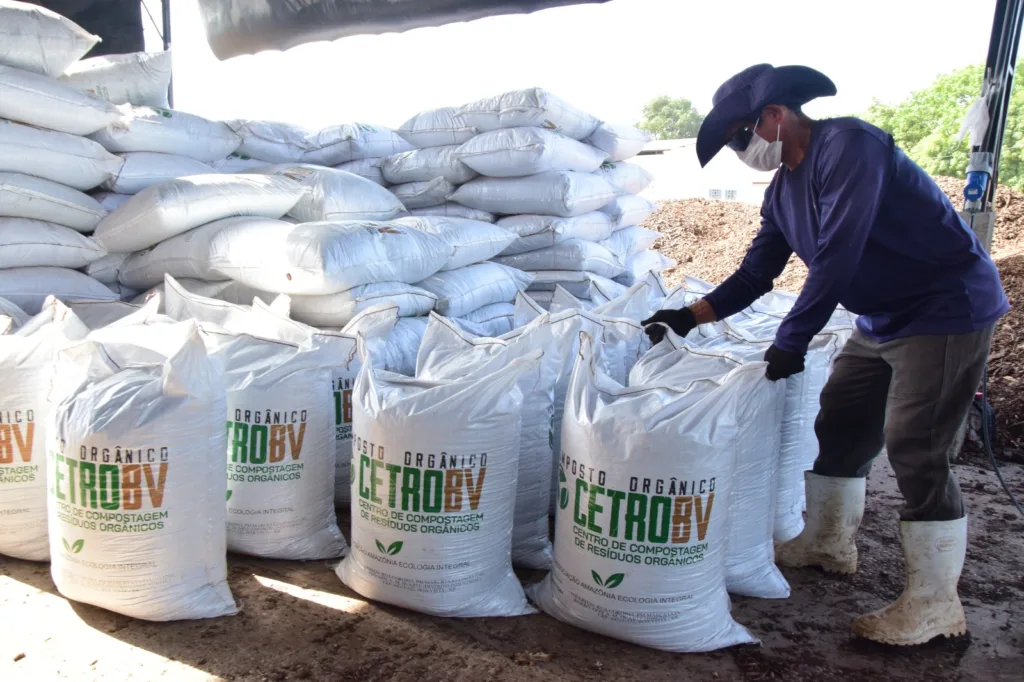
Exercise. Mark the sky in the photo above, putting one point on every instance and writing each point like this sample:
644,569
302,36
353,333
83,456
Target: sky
609,59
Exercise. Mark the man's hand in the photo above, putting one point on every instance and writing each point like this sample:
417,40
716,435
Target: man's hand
782,364
681,321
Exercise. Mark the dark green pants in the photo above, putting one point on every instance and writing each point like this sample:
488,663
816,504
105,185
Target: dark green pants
911,396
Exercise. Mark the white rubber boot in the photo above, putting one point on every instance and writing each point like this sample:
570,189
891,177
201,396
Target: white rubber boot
933,552
835,507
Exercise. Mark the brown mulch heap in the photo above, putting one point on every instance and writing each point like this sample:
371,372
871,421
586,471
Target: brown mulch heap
709,238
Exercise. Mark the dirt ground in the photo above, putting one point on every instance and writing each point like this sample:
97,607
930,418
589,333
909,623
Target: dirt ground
298,622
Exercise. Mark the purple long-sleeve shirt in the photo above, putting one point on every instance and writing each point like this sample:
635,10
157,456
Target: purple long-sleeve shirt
878,236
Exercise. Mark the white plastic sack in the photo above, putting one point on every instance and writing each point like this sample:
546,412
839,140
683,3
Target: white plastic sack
620,142
28,288
237,163
36,39
186,255
436,128
473,241
423,194
638,266
163,211
423,165
139,78
460,292
495,319
571,254
652,568
26,370
533,107
434,470
25,196
149,129
750,558
630,241
110,200
336,195
626,178
325,257
45,103
16,315
453,210
66,159
136,508
144,169
365,168
33,243
541,231
559,193
447,353
272,142
516,152
351,142
628,210
398,354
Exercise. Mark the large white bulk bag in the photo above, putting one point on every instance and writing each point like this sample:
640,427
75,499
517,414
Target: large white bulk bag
516,152
642,264
66,159
434,469
798,446
365,168
28,243
237,163
558,193
171,208
280,451
186,255
494,319
139,78
448,353
630,241
578,283
423,165
36,39
272,142
620,142
534,107
460,292
626,178
336,195
351,142
25,196
653,569
28,288
423,194
149,129
110,200
473,241
98,314
541,231
137,495
571,254
436,128
628,210
45,103
453,210
326,257
750,558
26,370
145,169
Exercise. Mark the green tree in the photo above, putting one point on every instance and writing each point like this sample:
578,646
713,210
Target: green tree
669,118
925,125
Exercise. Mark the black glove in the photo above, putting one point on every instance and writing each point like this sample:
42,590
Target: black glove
681,321
782,364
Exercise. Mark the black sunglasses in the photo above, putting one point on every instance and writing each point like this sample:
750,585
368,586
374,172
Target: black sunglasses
741,138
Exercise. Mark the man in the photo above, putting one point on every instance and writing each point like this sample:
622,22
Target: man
879,237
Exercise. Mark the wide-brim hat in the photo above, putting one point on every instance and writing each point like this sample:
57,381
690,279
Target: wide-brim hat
742,97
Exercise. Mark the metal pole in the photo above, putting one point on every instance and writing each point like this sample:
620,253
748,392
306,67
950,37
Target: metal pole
165,7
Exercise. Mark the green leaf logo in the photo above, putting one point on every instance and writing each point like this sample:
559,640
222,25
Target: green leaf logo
380,547
66,545
611,582
395,548
229,496
563,498
74,547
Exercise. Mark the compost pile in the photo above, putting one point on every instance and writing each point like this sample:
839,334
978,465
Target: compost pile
709,238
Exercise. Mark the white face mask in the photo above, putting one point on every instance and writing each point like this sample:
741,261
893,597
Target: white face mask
762,155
